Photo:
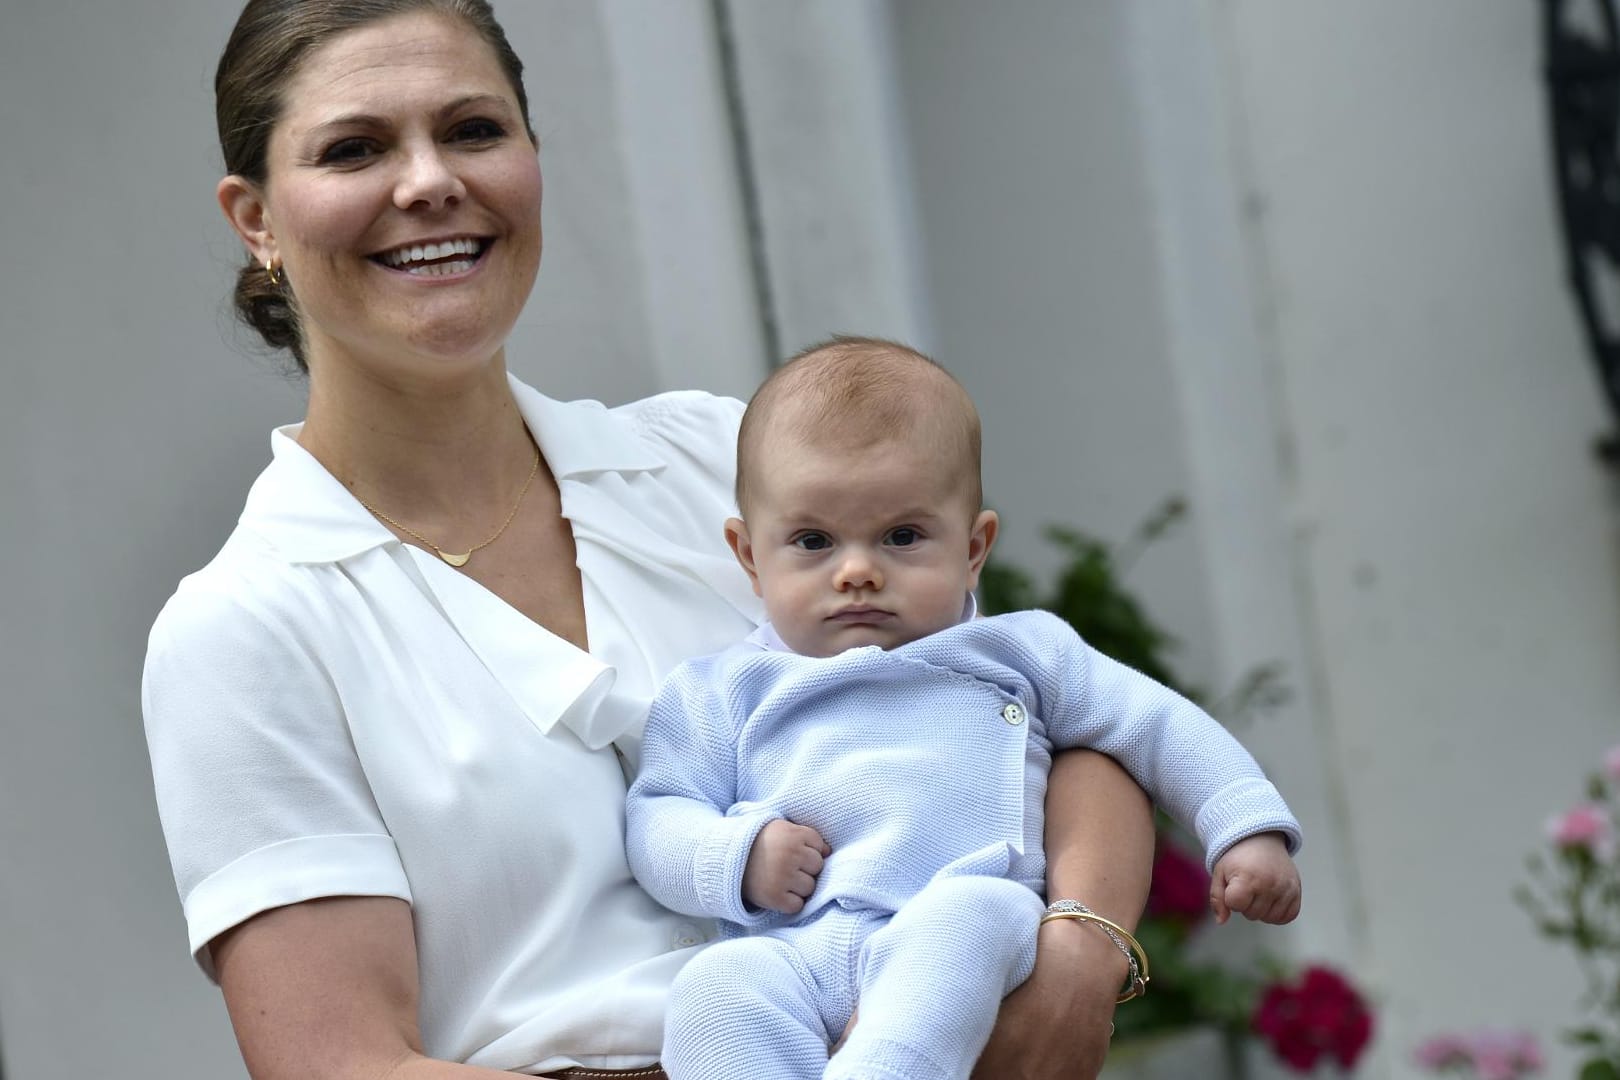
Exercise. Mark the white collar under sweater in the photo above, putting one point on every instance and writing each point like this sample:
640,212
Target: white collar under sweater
766,637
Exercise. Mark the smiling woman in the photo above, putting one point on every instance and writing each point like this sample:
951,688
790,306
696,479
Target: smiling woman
400,201
389,721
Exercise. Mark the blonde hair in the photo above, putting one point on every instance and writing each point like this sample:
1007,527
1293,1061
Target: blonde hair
861,391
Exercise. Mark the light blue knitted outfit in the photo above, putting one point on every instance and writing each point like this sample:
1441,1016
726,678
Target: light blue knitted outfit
924,767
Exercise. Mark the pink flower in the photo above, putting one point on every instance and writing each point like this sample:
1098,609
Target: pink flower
1489,1055
1584,826
1442,1052
1319,1016
1506,1055
1611,764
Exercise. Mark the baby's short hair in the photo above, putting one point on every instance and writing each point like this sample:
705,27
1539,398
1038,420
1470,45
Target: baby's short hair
858,392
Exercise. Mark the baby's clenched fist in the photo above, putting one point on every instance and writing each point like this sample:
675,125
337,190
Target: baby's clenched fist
1257,879
783,865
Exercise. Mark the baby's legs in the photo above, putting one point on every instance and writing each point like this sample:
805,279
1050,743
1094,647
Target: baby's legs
933,978
761,1008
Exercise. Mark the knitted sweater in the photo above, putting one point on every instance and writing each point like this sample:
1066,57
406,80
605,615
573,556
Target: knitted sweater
930,758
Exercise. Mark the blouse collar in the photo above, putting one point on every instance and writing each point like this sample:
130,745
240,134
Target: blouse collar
308,516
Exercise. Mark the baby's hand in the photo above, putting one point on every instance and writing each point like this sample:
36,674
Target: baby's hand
782,867
1257,879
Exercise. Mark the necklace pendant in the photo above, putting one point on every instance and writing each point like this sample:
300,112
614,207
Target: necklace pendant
455,560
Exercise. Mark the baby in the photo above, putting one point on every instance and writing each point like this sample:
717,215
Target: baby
856,791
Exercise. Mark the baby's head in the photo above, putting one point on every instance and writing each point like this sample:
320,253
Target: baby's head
858,482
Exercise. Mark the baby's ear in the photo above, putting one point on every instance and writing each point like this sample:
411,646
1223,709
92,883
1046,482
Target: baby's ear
743,548
980,541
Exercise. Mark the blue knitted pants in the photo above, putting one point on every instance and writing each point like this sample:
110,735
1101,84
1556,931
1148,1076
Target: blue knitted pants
929,980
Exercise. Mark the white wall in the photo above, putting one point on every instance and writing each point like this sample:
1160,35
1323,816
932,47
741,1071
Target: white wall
1036,226
1457,537
1234,424
827,148
133,421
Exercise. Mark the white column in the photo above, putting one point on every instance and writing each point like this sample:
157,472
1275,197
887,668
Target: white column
1235,433
827,152
646,283
683,199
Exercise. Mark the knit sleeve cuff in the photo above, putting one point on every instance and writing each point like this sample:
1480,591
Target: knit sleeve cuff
1241,811
721,859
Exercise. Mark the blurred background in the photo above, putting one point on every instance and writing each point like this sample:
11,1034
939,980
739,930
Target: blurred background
1298,263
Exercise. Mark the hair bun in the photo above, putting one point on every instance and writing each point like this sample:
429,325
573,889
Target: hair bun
268,308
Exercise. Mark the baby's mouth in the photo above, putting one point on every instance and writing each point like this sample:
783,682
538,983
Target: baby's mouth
860,614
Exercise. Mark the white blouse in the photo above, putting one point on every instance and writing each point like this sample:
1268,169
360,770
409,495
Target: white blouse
333,712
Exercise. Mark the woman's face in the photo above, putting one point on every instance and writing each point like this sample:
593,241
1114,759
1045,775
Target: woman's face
402,200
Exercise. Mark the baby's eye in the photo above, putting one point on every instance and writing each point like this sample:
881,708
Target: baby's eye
904,536
812,541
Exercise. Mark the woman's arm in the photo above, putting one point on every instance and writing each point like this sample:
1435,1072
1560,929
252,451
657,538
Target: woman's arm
1099,850
328,988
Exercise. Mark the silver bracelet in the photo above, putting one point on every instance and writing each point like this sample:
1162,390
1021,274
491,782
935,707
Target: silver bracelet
1136,984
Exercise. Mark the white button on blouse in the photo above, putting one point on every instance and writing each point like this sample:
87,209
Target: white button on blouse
332,712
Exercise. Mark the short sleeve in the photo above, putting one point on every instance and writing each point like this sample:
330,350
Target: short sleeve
695,433
262,798
697,428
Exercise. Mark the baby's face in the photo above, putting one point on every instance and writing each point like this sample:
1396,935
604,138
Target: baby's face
873,547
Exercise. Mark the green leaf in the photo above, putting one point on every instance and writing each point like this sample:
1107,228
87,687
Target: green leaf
1004,588
1600,1069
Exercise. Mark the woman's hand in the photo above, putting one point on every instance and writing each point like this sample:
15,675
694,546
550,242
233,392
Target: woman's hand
1099,850
1056,1026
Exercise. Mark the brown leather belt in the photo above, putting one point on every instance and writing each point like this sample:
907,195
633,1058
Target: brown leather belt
579,1072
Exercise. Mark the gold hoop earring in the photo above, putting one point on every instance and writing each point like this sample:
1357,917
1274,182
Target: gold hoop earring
274,273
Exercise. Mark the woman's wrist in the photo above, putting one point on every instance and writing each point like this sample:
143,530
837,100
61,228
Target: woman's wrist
1097,968
1136,958
1057,1024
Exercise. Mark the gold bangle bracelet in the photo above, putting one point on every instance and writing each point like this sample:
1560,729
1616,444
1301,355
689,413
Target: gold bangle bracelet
1136,984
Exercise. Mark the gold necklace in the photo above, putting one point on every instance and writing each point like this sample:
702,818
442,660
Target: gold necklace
450,557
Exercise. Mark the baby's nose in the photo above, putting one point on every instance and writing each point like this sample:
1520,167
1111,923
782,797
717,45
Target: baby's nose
859,571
